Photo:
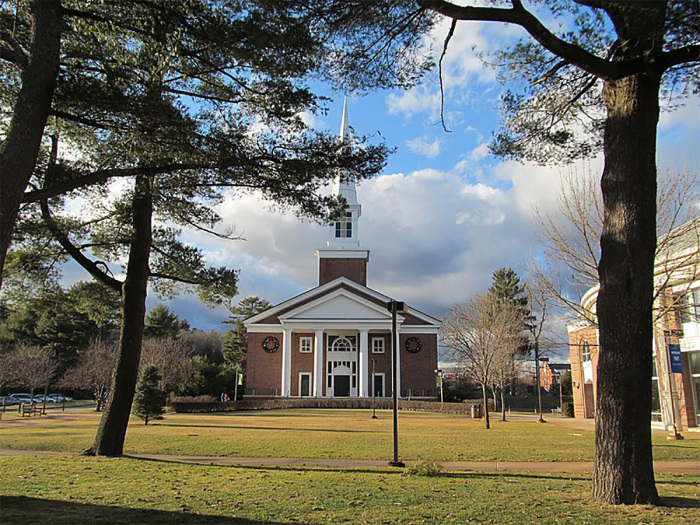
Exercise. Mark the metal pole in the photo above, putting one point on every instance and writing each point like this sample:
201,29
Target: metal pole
394,349
442,390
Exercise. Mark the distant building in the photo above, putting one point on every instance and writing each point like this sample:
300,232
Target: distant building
550,373
676,371
335,339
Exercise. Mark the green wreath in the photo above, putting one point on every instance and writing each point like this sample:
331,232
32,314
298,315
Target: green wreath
270,344
413,345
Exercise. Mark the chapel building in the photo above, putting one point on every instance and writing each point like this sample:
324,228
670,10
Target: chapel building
334,340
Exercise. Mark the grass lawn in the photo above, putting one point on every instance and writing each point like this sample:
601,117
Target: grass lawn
79,490
344,434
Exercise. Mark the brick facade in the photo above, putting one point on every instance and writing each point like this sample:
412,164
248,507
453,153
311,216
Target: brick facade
584,392
329,269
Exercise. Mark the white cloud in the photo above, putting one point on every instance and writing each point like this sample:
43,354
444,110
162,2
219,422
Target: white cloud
423,146
480,152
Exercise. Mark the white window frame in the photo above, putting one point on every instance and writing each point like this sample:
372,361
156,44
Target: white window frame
310,341
301,374
383,345
586,357
383,392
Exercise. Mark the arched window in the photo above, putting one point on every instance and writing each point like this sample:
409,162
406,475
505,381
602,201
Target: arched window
585,351
342,344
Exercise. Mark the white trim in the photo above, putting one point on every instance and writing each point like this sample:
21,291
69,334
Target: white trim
383,376
353,253
363,364
383,340
340,292
308,339
319,290
310,383
318,363
286,363
264,328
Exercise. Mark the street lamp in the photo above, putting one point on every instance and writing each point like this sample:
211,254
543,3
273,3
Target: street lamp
395,307
374,391
439,374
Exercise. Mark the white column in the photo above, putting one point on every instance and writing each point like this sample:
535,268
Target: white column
398,360
286,362
318,364
364,363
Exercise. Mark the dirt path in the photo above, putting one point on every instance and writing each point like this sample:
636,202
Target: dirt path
466,466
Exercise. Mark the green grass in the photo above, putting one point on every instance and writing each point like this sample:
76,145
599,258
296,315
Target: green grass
78,490
344,434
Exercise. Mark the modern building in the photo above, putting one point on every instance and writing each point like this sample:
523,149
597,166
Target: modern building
334,341
676,379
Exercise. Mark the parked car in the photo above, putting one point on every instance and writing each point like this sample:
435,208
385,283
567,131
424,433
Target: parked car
40,399
9,401
60,398
23,398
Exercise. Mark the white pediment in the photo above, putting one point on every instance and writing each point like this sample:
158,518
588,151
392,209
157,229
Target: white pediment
338,305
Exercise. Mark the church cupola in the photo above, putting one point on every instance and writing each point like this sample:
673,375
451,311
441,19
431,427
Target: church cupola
343,256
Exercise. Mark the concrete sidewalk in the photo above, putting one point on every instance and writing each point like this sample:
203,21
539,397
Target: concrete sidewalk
692,467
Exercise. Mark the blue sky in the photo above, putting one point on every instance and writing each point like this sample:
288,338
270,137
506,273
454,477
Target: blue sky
442,216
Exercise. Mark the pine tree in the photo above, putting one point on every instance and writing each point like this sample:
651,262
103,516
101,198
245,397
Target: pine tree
149,398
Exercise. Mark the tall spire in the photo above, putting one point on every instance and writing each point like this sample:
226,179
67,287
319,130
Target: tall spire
342,255
345,188
345,123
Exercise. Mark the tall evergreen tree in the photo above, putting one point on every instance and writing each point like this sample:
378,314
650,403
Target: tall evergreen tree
161,322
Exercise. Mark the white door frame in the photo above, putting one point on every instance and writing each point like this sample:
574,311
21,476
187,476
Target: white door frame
310,385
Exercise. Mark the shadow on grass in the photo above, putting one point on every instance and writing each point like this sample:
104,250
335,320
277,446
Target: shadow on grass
680,502
25,510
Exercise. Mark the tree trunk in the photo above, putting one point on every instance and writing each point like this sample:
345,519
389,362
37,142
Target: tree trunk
23,140
623,459
109,440
484,389
495,399
537,381
503,405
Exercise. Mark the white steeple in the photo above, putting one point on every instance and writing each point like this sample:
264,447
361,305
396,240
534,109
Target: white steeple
343,256
344,230
345,188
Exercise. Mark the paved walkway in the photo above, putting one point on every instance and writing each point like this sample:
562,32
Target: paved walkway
466,466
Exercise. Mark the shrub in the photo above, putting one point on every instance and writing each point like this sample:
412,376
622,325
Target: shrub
424,468
568,410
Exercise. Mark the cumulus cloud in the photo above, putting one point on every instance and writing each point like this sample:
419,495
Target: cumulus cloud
423,146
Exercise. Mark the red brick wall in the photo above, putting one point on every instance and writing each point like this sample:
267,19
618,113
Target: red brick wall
263,370
383,364
301,362
590,334
418,370
353,269
685,389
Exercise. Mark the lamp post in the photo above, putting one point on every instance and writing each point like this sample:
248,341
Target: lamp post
439,374
395,307
374,391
